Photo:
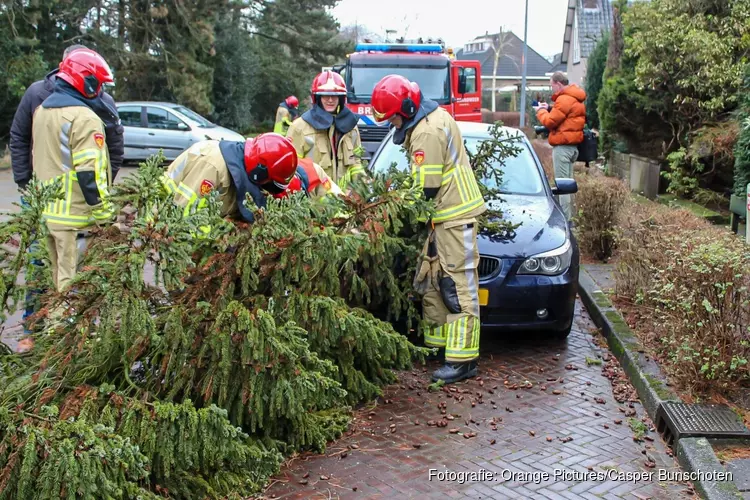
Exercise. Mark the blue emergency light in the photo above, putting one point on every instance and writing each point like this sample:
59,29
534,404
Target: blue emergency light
399,47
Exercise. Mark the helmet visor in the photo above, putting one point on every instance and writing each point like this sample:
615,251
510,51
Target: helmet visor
379,117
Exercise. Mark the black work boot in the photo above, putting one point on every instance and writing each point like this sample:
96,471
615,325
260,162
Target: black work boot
453,372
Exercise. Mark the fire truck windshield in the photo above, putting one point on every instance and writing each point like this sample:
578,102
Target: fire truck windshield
433,81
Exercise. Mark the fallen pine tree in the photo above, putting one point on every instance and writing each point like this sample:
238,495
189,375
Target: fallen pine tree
248,344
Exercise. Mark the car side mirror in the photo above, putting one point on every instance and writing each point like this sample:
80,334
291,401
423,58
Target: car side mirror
462,83
565,186
182,126
338,68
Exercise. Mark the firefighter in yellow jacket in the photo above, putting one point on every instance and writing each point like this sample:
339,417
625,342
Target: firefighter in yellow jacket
328,132
266,164
447,275
68,144
286,113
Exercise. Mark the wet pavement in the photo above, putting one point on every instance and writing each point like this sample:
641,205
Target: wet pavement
541,421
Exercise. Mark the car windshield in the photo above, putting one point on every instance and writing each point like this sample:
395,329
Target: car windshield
433,82
520,173
202,122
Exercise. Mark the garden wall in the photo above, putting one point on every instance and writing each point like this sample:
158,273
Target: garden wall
641,173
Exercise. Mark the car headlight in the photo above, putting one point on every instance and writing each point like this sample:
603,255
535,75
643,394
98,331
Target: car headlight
550,263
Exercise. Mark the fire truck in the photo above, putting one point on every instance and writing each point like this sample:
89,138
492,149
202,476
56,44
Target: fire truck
455,85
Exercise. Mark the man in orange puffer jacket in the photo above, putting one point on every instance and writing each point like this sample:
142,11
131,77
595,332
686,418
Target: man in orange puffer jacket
565,121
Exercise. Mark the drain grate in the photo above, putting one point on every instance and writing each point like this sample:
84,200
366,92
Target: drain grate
677,420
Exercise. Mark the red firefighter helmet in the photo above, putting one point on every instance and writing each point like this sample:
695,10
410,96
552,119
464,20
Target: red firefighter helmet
292,101
328,83
270,158
395,95
294,186
86,71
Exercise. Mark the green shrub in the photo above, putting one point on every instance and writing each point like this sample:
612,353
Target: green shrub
689,282
594,80
742,148
599,204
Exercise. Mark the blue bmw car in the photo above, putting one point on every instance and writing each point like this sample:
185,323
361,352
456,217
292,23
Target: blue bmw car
528,281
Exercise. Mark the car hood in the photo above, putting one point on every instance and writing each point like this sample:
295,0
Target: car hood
222,134
542,227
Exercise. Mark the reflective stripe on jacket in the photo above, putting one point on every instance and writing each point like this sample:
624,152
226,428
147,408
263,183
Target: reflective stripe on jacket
68,141
283,120
440,165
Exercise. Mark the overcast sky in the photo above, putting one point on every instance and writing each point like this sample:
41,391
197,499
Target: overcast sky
459,21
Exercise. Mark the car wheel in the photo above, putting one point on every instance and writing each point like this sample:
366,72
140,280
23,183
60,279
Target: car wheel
563,333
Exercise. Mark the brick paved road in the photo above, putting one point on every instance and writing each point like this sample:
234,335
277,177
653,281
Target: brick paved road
568,428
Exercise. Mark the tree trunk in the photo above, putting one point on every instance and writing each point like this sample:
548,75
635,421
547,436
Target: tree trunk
616,44
121,24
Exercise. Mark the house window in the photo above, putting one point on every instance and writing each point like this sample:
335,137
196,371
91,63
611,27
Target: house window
576,44
591,4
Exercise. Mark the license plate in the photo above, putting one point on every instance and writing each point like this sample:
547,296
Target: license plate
484,296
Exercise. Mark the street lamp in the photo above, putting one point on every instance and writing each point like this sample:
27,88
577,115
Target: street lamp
523,69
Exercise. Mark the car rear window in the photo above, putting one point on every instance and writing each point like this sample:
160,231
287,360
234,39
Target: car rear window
520,173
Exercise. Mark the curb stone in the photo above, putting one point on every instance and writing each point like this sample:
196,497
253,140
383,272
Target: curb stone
695,455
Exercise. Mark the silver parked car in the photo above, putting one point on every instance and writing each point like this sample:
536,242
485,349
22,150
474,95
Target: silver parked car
151,126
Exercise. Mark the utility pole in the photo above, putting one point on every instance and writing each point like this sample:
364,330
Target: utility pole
523,64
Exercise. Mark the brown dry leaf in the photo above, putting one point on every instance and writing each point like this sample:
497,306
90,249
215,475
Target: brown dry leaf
492,441
532,433
557,392
453,431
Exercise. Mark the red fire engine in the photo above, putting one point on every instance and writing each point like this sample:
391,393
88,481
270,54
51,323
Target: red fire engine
455,85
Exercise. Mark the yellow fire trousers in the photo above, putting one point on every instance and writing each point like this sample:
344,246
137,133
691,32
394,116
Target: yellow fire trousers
448,279
64,248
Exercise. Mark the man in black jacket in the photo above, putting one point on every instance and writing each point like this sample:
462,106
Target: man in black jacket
20,132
